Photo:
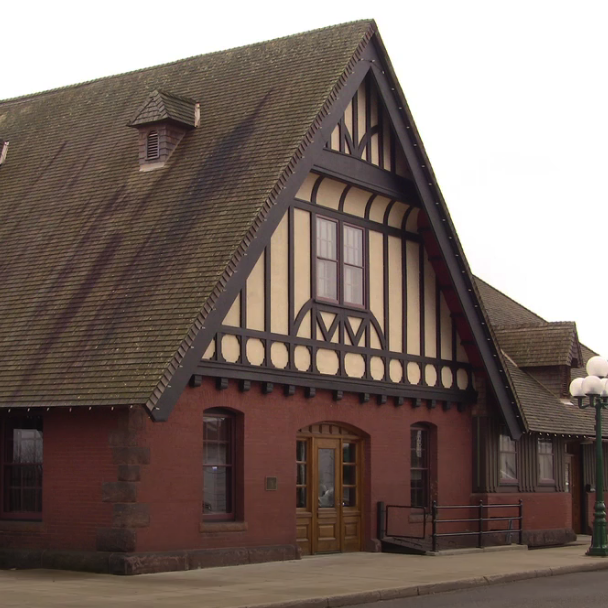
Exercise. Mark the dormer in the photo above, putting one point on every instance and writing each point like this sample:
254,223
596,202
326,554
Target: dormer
162,122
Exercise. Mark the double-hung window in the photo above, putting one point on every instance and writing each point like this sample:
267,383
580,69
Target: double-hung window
340,262
218,465
545,460
21,467
507,459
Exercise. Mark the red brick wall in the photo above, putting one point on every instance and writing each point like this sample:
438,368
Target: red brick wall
77,460
171,484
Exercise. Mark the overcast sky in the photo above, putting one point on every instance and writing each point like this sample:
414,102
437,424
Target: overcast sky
511,100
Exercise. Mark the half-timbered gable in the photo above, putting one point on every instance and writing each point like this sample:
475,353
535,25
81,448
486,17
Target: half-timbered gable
345,293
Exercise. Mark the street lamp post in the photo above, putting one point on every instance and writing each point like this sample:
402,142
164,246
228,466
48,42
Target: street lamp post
595,387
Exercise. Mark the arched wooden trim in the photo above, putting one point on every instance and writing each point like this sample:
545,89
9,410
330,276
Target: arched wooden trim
315,189
328,428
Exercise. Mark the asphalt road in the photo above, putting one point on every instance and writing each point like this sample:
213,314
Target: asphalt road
584,590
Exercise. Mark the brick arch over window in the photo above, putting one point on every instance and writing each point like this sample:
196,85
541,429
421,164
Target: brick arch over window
423,464
222,465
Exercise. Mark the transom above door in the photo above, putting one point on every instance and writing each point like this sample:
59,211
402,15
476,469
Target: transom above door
328,489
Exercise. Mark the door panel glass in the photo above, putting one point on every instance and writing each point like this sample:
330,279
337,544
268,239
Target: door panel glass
349,497
327,477
349,475
301,498
349,452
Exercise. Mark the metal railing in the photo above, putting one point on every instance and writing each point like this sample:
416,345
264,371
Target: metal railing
384,526
480,520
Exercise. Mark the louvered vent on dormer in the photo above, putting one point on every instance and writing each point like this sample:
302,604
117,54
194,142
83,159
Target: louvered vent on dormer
152,146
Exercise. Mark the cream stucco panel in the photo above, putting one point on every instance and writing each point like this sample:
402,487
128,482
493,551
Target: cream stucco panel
335,138
279,354
279,275
374,338
301,358
376,213
210,350
396,370
354,365
462,379
446,329
430,310
329,193
348,121
413,298
373,108
461,353
255,351
231,348
256,306
361,111
305,330
412,221
375,149
302,262
446,377
376,368
233,318
395,217
327,361
386,141
430,375
305,191
355,202
395,297
413,372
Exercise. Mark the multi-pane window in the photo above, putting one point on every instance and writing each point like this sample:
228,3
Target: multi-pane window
302,474
218,465
349,474
545,460
507,459
340,262
419,467
21,467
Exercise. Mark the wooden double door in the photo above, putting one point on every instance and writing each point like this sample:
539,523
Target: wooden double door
328,490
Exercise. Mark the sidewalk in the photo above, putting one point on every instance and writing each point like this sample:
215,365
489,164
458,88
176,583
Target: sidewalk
319,582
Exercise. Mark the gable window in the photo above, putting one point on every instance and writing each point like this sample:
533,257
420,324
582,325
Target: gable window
545,460
21,467
340,262
152,145
419,467
507,459
218,465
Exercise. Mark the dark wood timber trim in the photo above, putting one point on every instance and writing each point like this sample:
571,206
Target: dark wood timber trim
346,168
270,377
445,234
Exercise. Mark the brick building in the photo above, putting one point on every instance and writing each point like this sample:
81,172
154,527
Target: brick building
236,316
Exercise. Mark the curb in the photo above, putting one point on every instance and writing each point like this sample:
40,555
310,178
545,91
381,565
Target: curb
368,597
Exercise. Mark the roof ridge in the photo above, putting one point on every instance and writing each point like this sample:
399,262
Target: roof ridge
22,98
532,326
509,298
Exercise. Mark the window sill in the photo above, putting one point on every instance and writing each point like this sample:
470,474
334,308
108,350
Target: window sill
20,526
212,527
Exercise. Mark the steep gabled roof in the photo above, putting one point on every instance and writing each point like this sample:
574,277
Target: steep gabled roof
105,270
541,345
161,105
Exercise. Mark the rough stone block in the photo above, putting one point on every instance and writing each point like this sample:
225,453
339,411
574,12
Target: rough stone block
134,515
119,491
213,558
129,472
131,455
147,563
121,540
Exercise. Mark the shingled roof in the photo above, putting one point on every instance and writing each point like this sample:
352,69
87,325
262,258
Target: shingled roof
541,345
105,269
528,340
161,105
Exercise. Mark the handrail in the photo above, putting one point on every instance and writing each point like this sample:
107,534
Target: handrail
480,519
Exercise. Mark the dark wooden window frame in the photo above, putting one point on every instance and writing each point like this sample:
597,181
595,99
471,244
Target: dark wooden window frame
6,465
230,514
505,481
340,262
426,490
542,481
